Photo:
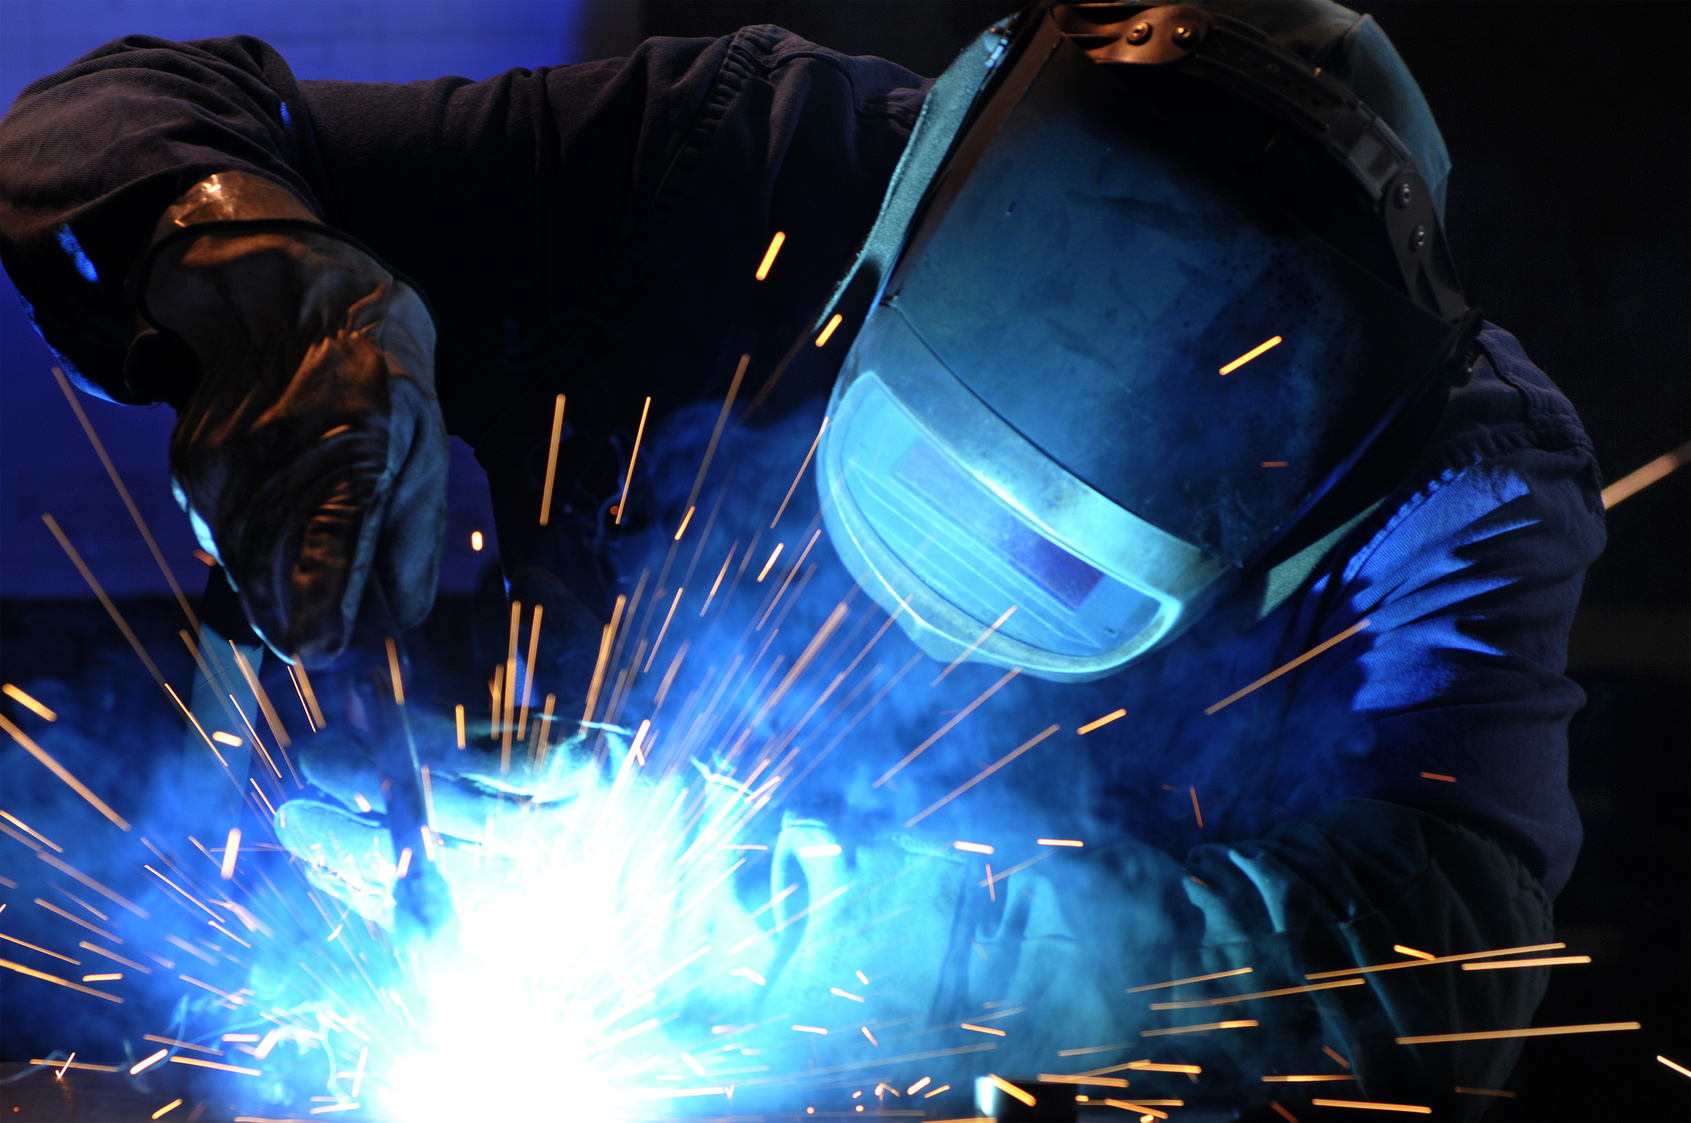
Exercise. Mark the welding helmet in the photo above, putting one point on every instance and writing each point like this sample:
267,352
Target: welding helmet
1147,285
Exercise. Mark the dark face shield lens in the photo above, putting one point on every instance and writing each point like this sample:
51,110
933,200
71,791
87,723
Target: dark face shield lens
972,548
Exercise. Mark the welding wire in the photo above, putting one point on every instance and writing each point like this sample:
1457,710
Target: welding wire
1464,957
1636,481
983,774
123,493
23,699
58,770
948,726
309,720
1298,662
1194,1003
111,609
528,674
46,978
507,725
1545,961
970,650
633,456
1193,979
551,464
1364,1105
779,511
1241,1023
1498,1034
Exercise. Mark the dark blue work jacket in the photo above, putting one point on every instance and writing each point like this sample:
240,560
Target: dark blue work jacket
594,230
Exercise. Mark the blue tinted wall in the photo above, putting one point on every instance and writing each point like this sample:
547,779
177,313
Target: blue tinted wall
46,464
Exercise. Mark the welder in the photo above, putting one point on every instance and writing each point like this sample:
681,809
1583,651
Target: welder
1149,374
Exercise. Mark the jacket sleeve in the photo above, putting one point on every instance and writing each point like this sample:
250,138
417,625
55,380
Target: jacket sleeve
90,158
1454,700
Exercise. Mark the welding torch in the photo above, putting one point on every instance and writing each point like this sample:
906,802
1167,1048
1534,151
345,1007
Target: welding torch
374,669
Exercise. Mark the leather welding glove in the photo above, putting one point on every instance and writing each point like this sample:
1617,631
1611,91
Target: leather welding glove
309,449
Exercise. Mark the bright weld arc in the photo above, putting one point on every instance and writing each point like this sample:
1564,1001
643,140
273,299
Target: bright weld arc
1266,345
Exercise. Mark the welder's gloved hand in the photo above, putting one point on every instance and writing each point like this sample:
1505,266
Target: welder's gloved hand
309,451
485,808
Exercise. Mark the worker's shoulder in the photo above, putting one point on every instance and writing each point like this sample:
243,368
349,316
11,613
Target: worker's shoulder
1508,404
877,87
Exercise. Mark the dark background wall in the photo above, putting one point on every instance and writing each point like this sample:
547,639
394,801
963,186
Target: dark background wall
1568,126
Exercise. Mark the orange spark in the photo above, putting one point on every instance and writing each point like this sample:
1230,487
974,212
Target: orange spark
1438,776
972,847
1082,1078
1196,810
662,631
1015,869
948,726
632,457
1251,354
196,1062
1295,663
105,978
29,830
148,1062
231,850
983,774
1497,1034
303,682
717,584
1316,1079
769,254
1231,998
982,1029
476,541
58,770
1464,957
42,950
1636,481
1403,949
100,593
1240,1023
17,695
768,565
458,716
1273,463
685,519
1006,1087
828,332
871,1037
528,675
1284,1114
1328,1049
551,469
167,1109
508,725
970,650
807,457
46,978
1679,1068
936,1091
1059,842
1101,722
811,1029
1366,1106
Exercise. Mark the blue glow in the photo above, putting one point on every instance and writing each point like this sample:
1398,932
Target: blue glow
287,118
68,242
